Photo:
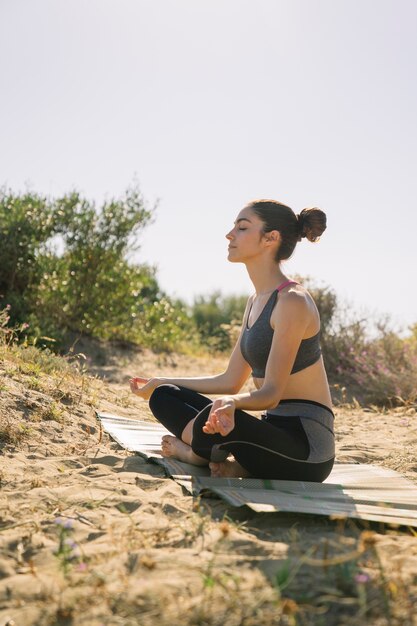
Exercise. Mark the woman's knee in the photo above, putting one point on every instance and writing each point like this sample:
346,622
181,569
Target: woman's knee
160,395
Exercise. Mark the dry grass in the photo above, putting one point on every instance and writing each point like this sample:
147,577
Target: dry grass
130,547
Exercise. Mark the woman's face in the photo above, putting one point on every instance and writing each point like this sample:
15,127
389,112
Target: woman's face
246,237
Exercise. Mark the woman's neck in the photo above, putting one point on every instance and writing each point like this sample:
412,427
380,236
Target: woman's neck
265,279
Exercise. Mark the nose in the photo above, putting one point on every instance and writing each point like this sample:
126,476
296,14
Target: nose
229,235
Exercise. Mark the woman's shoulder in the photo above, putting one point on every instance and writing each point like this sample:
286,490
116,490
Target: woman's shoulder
295,301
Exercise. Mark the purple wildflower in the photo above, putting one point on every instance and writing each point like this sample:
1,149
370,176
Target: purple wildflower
362,578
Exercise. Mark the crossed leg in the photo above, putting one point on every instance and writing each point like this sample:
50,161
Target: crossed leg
177,408
181,448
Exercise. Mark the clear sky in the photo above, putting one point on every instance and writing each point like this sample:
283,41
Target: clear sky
211,103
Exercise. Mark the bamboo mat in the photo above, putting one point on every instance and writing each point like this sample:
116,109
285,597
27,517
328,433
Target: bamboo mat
360,491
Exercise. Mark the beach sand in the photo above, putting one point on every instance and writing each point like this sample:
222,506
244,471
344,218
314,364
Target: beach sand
92,535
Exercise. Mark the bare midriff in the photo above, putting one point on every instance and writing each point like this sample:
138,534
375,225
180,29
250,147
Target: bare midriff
309,384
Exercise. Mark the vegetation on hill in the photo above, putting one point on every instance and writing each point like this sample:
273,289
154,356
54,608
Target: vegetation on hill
67,272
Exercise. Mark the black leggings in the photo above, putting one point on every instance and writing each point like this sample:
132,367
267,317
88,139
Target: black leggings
266,450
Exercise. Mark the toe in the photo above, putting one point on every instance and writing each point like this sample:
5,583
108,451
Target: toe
214,469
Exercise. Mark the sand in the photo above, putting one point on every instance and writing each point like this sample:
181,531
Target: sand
136,549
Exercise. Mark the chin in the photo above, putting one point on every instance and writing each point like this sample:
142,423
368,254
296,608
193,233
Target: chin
233,258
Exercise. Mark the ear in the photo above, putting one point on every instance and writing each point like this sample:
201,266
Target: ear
273,236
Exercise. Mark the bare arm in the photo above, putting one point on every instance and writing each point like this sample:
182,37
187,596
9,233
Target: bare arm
229,381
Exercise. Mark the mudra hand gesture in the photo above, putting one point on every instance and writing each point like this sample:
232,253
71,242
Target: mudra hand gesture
143,387
221,418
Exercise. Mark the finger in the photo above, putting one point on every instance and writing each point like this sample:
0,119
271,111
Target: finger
218,425
212,417
210,426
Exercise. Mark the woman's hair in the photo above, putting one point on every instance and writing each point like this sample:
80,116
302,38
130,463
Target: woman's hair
310,223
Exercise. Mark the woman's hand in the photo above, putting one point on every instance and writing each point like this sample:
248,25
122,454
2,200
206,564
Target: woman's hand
222,417
144,387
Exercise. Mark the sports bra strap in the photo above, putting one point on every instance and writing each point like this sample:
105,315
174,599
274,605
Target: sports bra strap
287,282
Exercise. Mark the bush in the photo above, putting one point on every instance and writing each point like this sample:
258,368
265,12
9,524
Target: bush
372,364
27,223
380,371
166,325
218,319
89,287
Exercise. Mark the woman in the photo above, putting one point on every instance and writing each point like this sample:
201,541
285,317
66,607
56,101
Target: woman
279,342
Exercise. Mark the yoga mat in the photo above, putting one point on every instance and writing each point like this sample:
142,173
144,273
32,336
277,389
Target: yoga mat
359,491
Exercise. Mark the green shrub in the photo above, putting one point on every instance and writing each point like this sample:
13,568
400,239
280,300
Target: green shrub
217,317
67,272
166,325
27,223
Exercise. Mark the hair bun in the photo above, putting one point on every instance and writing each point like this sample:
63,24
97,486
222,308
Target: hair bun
300,220
311,223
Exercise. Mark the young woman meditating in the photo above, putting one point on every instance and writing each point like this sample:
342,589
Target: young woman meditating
280,344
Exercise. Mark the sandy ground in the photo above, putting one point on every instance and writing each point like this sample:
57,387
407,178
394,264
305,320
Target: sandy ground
92,535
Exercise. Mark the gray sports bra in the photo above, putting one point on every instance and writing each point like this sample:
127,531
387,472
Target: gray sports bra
256,342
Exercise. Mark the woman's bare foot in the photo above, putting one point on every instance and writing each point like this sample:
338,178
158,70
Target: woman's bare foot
228,469
172,446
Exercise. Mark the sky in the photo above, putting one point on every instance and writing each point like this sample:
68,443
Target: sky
208,104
